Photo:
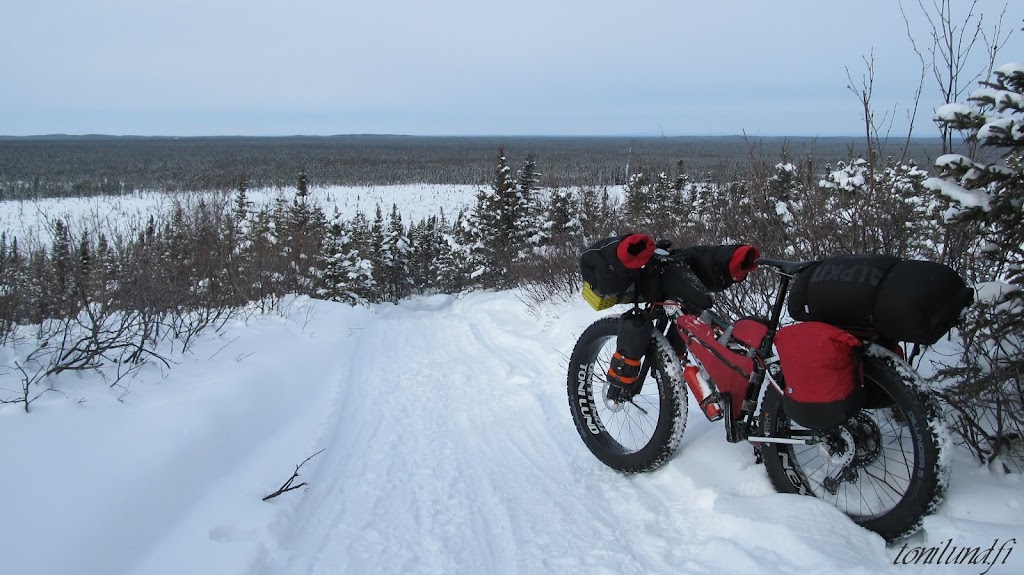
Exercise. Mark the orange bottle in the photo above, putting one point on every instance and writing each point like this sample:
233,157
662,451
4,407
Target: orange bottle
701,389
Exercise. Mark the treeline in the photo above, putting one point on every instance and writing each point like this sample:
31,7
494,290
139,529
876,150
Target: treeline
43,167
95,299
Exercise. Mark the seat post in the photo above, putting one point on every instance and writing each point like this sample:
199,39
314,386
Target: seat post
773,324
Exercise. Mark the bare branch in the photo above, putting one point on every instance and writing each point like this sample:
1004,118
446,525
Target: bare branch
287,485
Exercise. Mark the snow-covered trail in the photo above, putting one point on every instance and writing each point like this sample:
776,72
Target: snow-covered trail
448,448
453,451
432,465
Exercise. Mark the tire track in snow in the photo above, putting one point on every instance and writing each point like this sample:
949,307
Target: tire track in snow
443,459
454,452
399,488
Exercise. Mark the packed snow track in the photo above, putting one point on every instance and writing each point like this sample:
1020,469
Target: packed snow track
452,451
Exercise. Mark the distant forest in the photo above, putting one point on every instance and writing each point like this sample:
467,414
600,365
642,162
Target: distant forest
59,166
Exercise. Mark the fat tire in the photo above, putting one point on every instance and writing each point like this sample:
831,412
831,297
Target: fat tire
586,376
901,389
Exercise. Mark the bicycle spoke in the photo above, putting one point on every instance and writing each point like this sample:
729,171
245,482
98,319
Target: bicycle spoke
868,488
631,423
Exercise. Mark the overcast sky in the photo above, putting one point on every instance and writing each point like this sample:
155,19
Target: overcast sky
461,67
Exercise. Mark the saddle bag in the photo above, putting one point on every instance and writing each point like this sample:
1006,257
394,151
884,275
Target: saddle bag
822,372
903,300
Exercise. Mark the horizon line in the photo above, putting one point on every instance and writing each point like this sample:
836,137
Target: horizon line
394,135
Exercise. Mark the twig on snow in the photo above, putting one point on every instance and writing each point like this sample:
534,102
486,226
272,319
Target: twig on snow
287,486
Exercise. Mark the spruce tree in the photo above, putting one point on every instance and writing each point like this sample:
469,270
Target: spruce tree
62,275
529,232
375,247
636,199
394,258
425,241
242,203
347,277
456,261
499,224
304,224
990,195
508,203
561,216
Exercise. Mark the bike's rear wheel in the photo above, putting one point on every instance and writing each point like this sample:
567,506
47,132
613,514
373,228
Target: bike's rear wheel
630,434
886,467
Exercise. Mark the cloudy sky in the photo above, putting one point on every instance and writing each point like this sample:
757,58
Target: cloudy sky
461,67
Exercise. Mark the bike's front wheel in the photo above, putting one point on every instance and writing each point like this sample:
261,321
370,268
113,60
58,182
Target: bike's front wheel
630,433
886,467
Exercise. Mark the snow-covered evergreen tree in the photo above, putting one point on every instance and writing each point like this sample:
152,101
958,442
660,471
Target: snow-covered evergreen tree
987,398
304,224
394,278
242,203
457,260
426,240
636,199
347,276
562,215
494,228
529,231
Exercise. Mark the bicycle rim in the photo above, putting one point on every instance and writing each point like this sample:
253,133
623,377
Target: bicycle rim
629,425
866,466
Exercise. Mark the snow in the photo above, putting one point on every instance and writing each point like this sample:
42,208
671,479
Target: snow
28,219
950,112
448,448
993,291
954,191
1001,127
953,161
1002,99
1011,68
782,210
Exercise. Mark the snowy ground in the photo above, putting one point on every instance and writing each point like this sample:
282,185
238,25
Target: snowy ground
448,449
29,219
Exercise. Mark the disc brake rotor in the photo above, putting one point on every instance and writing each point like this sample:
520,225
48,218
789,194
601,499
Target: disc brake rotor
867,438
611,404
839,448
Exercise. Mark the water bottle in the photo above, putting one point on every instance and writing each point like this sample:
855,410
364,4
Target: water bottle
700,387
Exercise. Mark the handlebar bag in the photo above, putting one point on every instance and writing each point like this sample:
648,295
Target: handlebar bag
610,271
821,368
713,264
904,300
677,282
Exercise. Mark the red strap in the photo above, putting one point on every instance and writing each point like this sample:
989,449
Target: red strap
635,250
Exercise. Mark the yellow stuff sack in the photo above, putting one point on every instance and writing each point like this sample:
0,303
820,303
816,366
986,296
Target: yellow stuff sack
597,301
